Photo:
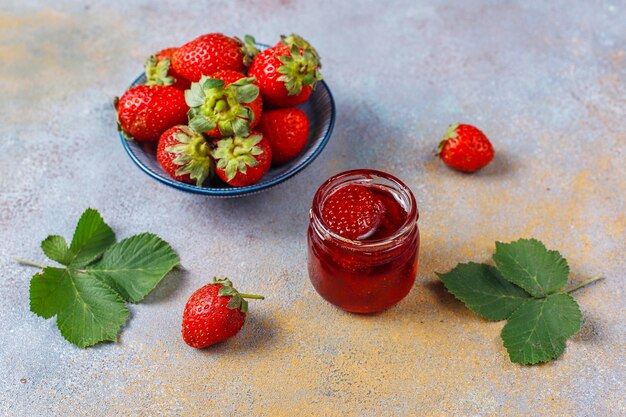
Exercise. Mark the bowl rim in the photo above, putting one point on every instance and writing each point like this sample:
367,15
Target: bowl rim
237,191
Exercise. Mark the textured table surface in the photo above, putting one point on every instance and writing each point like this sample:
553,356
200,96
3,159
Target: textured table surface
545,80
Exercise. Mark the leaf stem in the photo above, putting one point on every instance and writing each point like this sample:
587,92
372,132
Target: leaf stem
254,296
583,284
29,263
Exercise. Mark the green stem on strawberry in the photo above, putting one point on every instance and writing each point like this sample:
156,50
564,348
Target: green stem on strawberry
583,284
29,263
253,296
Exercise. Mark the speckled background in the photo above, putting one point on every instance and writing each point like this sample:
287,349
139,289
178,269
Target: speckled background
546,81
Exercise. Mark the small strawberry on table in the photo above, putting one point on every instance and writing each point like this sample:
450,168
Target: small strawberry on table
465,148
214,313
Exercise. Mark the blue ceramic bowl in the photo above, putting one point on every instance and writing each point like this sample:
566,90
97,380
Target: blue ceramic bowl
320,109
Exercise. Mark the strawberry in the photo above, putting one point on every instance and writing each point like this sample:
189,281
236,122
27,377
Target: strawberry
287,72
465,148
159,71
213,52
144,112
354,212
287,131
184,154
214,313
225,104
242,161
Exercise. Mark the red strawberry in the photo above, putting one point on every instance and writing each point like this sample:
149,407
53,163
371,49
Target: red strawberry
224,104
144,112
185,155
286,74
159,71
287,131
214,313
465,148
242,161
212,52
354,212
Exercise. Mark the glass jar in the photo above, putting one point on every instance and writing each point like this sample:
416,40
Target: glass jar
363,276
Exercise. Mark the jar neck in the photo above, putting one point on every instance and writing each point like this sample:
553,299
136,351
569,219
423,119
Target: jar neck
402,194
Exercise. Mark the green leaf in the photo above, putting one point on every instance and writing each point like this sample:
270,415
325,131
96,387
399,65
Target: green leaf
528,264
536,332
91,238
94,313
134,266
48,292
86,295
88,311
483,290
55,248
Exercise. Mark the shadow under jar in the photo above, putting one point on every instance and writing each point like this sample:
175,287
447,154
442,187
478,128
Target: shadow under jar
364,276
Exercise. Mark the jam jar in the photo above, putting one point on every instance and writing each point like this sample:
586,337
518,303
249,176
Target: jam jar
363,241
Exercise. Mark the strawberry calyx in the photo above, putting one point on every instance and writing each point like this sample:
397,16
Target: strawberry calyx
299,41
213,104
236,154
248,49
450,134
300,68
157,71
237,299
192,155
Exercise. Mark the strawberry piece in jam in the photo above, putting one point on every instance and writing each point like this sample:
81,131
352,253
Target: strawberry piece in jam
353,212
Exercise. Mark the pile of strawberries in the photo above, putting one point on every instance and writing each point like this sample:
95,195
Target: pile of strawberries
219,105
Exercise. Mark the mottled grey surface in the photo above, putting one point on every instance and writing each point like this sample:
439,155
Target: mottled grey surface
545,80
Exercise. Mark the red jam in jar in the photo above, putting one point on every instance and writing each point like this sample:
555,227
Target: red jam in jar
363,241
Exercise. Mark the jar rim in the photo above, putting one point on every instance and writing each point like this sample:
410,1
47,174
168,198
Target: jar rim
337,180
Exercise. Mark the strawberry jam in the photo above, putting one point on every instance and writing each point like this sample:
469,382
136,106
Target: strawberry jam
363,241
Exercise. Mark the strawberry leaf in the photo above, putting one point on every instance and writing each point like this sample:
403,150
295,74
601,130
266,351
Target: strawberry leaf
483,290
528,264
87,296
91,238
536,332
48,293
539,320
55,248
88,311
134,266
